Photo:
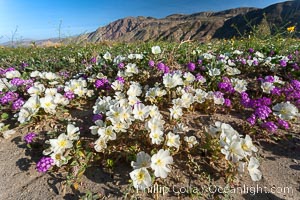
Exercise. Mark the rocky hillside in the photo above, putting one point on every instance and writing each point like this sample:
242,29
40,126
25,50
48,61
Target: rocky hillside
177,27
274,18
200,26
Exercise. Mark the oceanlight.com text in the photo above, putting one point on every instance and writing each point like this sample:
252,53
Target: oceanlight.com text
244,189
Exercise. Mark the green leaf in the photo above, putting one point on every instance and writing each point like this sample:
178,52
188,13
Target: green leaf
4,116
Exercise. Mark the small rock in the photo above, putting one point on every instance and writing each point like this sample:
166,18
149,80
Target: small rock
295,161
7,134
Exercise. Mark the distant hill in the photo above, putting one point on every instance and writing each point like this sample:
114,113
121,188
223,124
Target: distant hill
272,17
200,26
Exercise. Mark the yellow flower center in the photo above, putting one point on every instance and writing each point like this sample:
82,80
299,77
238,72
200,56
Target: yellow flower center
62,143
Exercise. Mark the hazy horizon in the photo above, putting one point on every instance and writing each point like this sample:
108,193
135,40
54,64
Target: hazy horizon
36,20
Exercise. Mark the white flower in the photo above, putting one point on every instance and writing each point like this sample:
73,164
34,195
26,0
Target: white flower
59,159
107,132
131,69
233,151
175,112
156,136
214,72
60,144
200,96
119,126
191,141
237,52
180,128
140,111
107,56
187,99
286,111
72,132
143,160
171,81
258,54
160,163
49,75
156,50
254,172
24,115
240,85
173,140
134,90
117,85
50,92
231,71
189,78
141,178
154,124
267,87
94,129
60,99
248,146
48,104
35,74
218,99
100,144
12,74
36,89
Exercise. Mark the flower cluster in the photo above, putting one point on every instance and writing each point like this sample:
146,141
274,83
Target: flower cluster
159,163
237,149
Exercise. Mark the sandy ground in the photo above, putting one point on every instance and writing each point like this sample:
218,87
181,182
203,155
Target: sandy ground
280,164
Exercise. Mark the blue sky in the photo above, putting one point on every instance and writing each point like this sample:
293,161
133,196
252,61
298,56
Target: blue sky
39,19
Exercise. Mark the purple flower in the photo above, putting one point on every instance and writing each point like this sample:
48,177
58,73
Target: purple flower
166,70
227,102
102,83
295,66
243,61
270,126
296,84
191,66
64,74
93,60
290,57
29,137
18,104
199,77
251,50
255,62
151,63
121,65
199,62
44,164
269,79
161,66
17,81
97,117
276,91
69,95
252,119
245,100
121,79
263,112
264,101
283,124
226,86
283,63
9,97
